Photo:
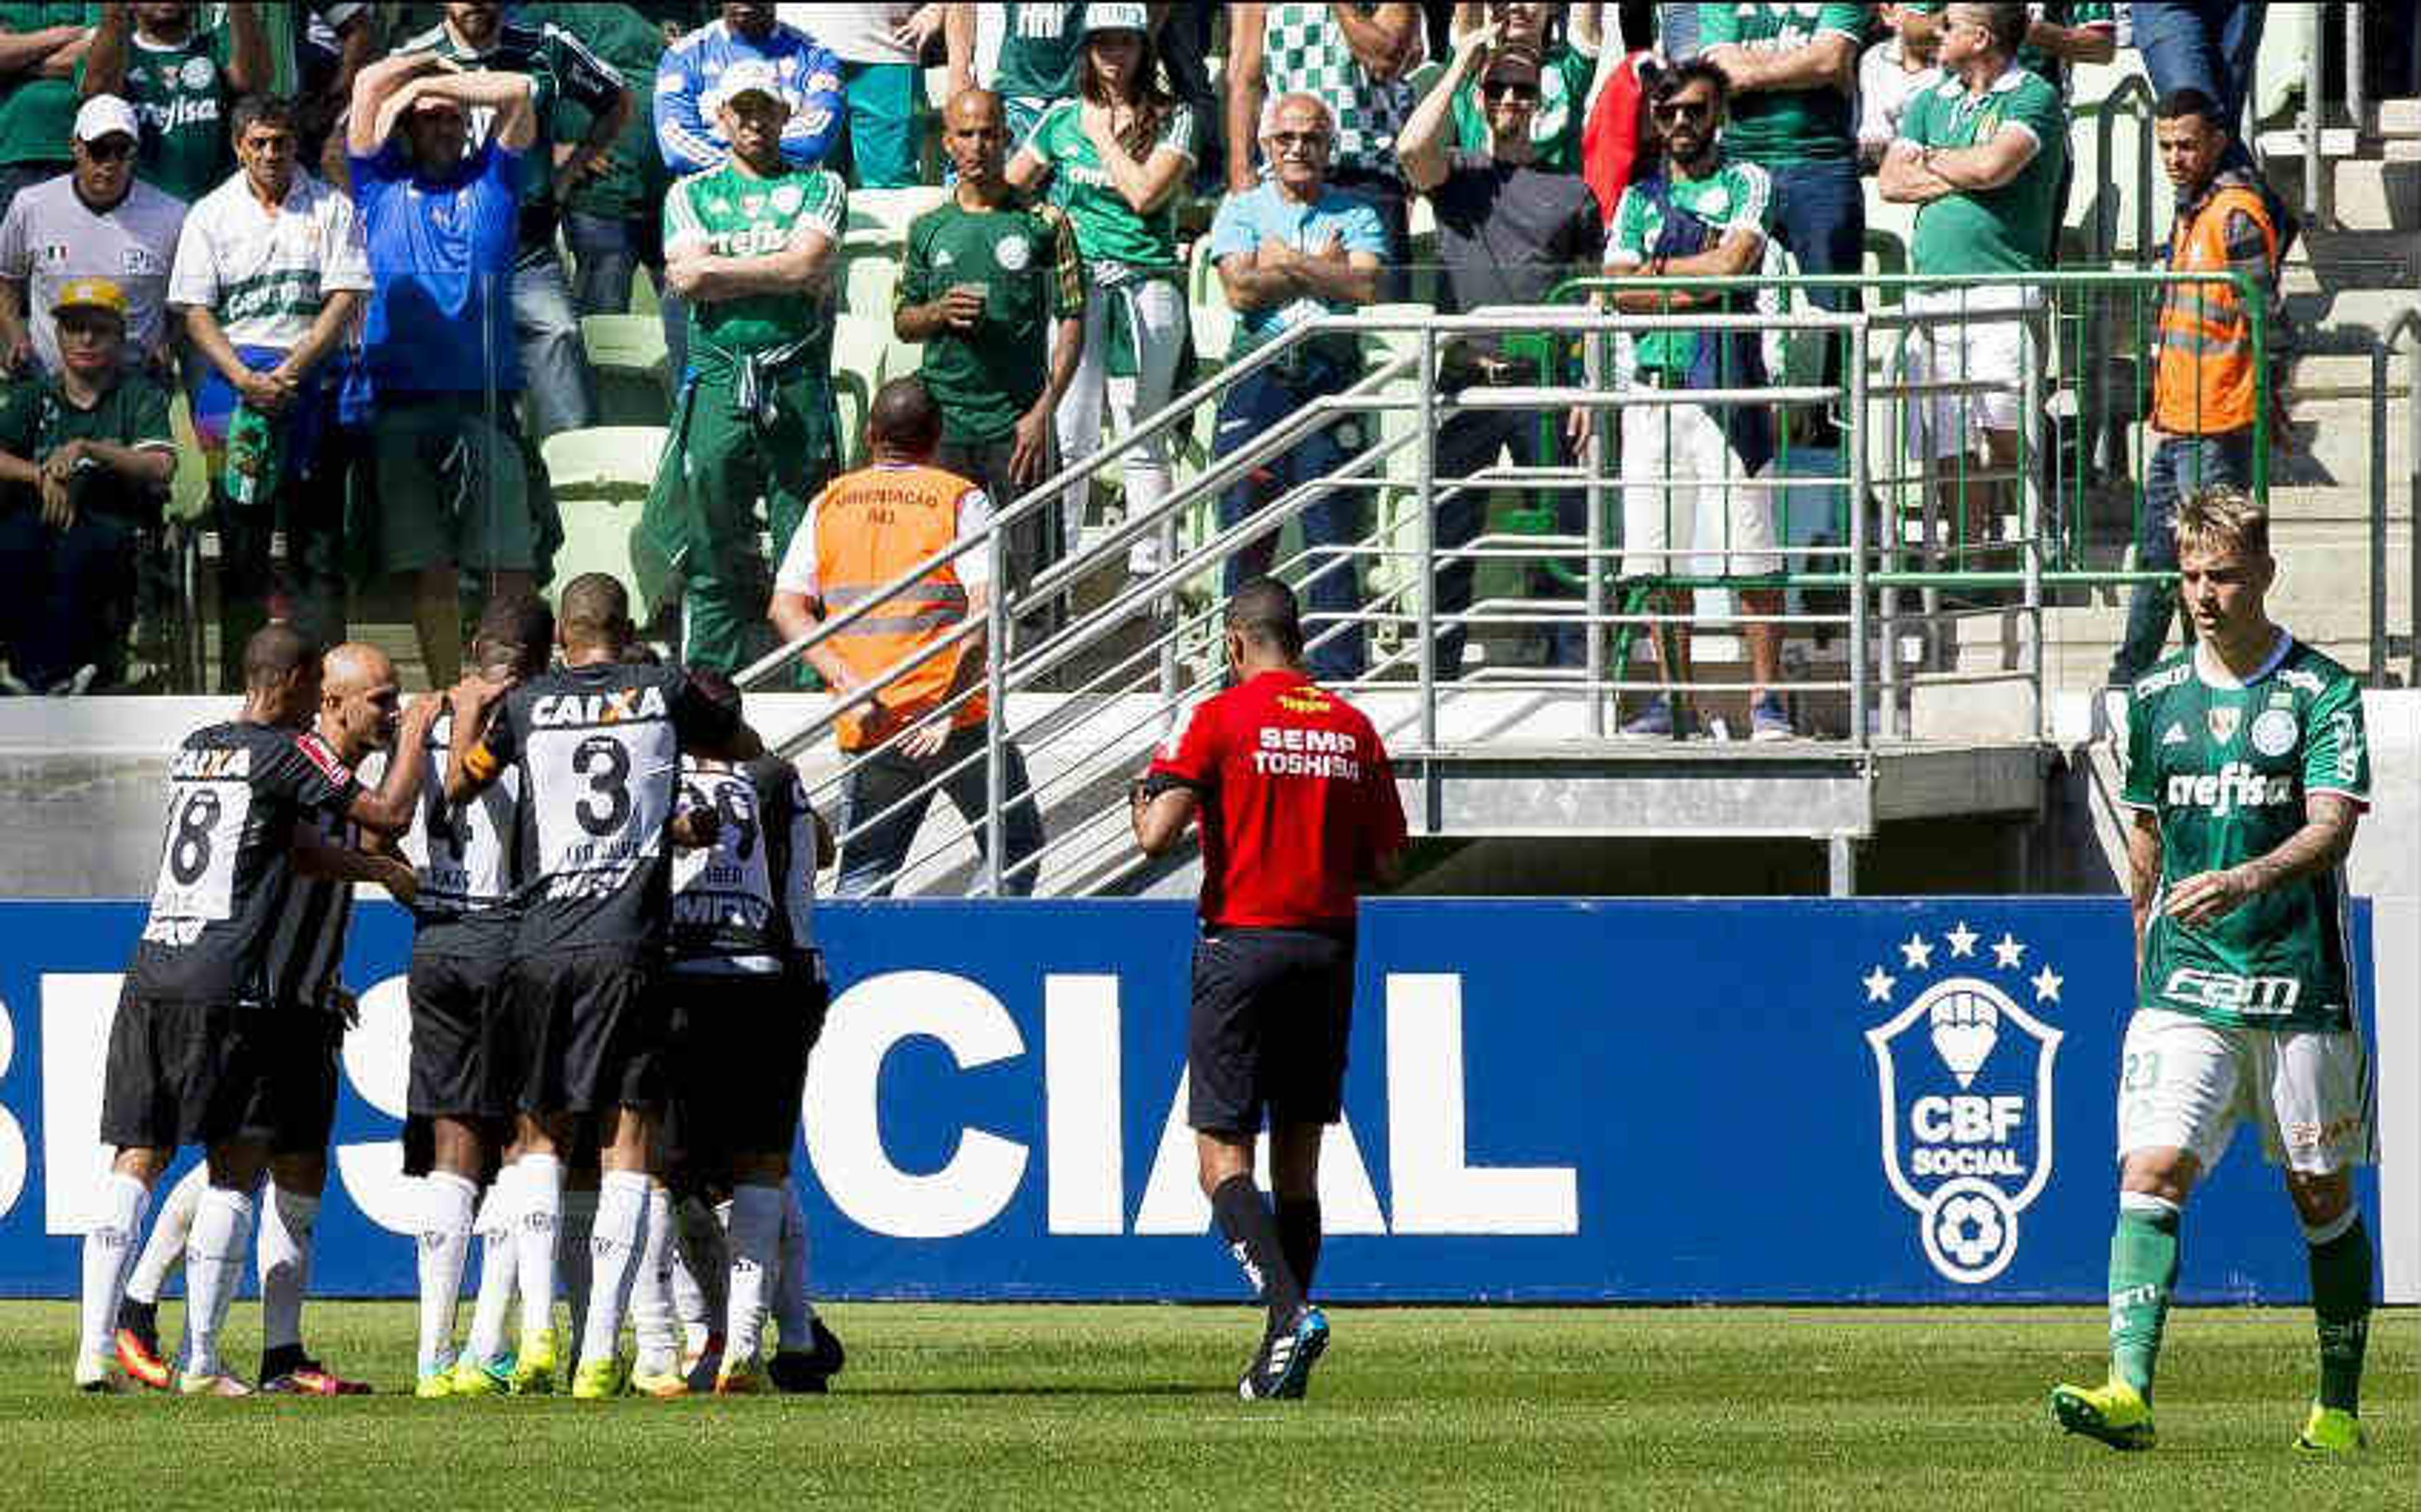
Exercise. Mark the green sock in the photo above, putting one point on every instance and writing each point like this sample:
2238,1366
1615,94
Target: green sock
2143,1273
2341,1305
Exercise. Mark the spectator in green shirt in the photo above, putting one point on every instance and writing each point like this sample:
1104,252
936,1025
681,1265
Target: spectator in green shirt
182,80
1566,40
611,218
85,459
1792,70
40,48
993,286
1980,157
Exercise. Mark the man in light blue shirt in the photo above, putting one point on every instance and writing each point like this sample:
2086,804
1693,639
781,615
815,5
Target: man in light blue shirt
1291,250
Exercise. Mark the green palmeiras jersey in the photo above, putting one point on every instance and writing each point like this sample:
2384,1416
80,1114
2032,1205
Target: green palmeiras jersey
2226,770
733,213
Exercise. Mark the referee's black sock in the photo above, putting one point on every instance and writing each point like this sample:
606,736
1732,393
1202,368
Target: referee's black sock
1299,1237
1252,1238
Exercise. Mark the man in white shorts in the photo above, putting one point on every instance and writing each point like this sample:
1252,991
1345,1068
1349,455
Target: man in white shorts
2247,769
1980,155
1703,216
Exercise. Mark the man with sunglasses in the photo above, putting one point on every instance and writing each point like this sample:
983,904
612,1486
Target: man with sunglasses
94,221
1510,229
1288,251
1701,215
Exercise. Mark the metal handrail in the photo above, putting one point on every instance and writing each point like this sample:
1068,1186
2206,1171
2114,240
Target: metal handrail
1399,383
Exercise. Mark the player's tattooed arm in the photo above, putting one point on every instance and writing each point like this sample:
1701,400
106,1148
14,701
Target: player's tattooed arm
2142,874
315,857
2320,846
389,809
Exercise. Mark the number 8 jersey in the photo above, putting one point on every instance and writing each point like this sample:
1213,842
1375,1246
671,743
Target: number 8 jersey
599,752
235,791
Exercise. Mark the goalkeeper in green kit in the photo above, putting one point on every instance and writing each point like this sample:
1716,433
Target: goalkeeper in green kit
2247,768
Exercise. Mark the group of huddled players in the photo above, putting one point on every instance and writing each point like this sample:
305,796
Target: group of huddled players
615,987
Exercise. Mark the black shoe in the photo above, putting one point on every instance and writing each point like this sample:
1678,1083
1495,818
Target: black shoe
1282,1369
809,1370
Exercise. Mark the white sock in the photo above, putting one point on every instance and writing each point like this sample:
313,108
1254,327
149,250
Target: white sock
445,1246
794,1315
755,1252
214,1259
499,1266
164,1252
689,1304
572,1261
542,1214
706,1257
287,1221
651,1300
106,1246
619,1235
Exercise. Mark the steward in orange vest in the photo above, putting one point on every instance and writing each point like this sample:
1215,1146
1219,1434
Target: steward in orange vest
865,531
2204,383
2207,391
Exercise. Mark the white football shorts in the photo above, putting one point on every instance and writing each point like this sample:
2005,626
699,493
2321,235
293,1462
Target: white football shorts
2184,1083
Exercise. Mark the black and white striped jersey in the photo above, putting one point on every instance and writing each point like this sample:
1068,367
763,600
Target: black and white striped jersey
748,900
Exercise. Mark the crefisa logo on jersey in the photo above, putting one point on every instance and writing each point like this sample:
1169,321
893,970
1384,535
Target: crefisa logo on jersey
1964,1073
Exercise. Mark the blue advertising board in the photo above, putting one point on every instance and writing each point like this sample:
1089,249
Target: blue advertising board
1548,1101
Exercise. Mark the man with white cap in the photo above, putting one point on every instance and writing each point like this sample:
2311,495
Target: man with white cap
750,247
94,221
85,457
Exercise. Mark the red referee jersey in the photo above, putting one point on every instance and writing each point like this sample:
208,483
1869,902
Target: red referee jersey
1297,802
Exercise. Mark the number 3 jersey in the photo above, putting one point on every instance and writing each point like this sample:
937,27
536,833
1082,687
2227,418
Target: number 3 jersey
2227,770
599,752
746,902
226,874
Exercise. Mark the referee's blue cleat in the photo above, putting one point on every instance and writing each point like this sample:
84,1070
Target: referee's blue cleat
1282,1370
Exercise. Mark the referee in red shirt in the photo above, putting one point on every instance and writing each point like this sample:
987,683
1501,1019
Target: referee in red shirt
1297,808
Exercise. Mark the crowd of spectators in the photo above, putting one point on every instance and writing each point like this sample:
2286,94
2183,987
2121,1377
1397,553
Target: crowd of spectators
361,253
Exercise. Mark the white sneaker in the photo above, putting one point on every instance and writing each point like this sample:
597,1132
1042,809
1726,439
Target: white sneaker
77,686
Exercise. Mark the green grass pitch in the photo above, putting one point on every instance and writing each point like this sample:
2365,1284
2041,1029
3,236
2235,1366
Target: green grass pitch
1127,1407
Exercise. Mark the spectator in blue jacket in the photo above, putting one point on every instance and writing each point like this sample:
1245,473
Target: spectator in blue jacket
690,137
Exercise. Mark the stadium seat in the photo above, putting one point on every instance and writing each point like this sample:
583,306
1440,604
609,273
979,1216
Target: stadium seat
889,210
862,362
633,376
601,477
870,271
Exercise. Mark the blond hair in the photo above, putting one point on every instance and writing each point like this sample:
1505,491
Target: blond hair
2220,517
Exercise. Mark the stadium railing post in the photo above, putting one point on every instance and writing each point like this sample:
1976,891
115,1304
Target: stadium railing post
1425,532
1861,622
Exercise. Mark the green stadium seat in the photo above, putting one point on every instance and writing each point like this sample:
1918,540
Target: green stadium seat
601,477
889,210
862,361
634,381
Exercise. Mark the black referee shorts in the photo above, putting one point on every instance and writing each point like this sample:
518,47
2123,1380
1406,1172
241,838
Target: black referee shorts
457,997
582,1031
737,1069
1267,1030
204,1073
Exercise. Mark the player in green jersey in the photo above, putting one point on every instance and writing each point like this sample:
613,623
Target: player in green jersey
750,246
2247,769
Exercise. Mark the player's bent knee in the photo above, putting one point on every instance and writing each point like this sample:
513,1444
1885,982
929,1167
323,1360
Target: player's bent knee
2320,1199
2164,1172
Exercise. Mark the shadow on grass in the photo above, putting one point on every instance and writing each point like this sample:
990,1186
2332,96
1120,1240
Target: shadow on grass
1073,1388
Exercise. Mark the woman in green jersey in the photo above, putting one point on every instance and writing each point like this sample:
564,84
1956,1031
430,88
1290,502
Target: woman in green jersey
1117,157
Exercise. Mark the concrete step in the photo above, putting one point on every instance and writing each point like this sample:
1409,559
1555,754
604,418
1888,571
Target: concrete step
2394,118
2336,258
2358,194
2333,443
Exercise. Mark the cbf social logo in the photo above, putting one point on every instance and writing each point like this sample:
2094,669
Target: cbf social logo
1965,1076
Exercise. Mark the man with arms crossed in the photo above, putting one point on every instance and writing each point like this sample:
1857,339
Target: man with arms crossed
2246,768
1296,808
